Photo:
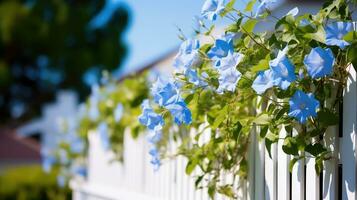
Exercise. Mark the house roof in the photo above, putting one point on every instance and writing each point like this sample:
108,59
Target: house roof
16,148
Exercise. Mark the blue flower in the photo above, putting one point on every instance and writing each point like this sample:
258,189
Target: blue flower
154,137
221,49
230,61
283,70
79,170
118,112
103,135
193,78
263,81
303,106
212,8
61,181
319,62
335,33
228,79
263,6
76,144
47,162
180,112
188,55
155,158
149,118
165,92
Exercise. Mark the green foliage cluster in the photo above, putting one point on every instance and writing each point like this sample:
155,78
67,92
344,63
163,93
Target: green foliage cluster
31,183
129,92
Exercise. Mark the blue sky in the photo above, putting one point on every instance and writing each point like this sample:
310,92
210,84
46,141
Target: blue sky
153,31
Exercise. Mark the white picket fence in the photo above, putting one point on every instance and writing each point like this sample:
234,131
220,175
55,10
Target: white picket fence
268,178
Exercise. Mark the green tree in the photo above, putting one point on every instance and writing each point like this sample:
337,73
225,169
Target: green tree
46,45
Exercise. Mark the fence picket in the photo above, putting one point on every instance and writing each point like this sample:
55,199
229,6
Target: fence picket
259,170
298,179
348,140
312,180
270,174
283,183
329,188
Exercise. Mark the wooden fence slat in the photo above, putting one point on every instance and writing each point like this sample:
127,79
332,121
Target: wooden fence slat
312,180
270,174
298,178
259,169
283,170
348,141
251,166
329,187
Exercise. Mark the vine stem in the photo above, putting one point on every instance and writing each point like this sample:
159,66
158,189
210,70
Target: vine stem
251,37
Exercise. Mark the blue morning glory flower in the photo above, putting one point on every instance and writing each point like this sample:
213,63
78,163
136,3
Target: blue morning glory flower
335,33
263,81
180,112
154,137
47,162
221,49
212,8
149,118
263,6
319,62
228,79
103,135
165,92
283,70
155,160
188,55
118,112
303,106
61,181
193,78
230,61
79,170
76,144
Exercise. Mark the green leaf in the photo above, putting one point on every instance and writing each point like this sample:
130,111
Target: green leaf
290,146
315,149
228,8
262,119
249,25
191,165
318,165
250,6
222,115
319,35
352,55
350,37
198,180
232,28
327,117
205,48
237,129
263,131
261,66
227,190
292,163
